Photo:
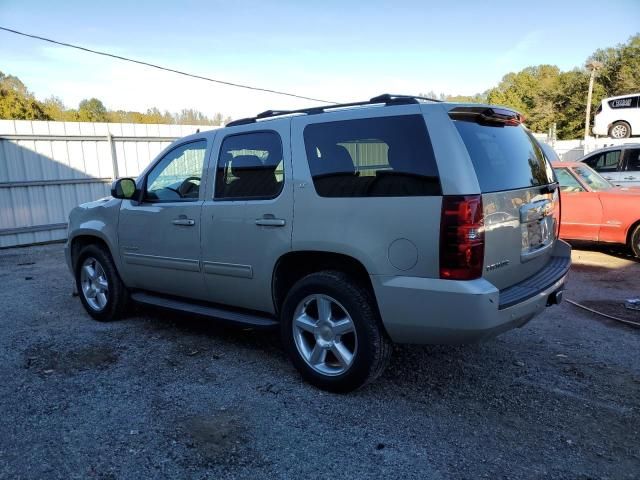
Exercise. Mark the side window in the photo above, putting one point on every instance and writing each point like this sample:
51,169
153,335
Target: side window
177,176
605,162
373,157
633,159
250,166
627,102
568,183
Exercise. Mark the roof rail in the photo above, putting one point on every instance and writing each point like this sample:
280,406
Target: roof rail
386,99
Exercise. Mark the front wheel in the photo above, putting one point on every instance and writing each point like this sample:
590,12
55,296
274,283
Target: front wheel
634,241
101,291
620,130
332,331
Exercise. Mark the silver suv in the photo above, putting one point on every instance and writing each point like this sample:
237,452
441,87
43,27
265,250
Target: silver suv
349,227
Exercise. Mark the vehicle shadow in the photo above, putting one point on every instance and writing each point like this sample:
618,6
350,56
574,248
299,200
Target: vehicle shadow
429,366
613,249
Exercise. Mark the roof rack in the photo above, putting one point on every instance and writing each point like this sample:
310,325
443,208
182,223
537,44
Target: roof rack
386,99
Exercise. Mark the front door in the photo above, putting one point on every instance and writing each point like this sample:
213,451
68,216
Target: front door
246,218
159,236
607,164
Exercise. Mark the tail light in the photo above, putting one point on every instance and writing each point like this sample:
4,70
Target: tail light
461,237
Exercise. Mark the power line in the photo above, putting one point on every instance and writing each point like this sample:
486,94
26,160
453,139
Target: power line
159,67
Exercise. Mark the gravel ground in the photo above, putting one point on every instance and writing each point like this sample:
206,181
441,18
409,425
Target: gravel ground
163,395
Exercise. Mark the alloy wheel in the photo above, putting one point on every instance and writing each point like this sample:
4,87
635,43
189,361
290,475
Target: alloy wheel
94,284
324,334
619,131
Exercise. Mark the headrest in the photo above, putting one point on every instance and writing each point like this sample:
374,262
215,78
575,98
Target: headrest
244,163
335,159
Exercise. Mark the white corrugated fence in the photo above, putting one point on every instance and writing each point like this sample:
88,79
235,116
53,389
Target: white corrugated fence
47,168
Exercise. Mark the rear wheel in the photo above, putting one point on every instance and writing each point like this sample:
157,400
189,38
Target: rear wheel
620,130
332,331
101,291
634,241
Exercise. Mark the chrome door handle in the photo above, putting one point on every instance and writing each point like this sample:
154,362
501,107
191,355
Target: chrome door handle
629,178
270,222
184,222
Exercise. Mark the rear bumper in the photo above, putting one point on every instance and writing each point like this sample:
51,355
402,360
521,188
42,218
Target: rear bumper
600,127
428,310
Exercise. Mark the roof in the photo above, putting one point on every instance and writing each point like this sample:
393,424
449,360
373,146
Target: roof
621,146
621,96
384,99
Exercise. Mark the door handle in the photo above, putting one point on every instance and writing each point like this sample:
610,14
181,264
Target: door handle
629,178
184,222
270,220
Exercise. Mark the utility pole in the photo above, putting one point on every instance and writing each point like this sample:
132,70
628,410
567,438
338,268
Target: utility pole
593,66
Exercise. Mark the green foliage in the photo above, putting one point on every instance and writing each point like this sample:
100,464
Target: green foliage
620,73
92,110
18,103
545,95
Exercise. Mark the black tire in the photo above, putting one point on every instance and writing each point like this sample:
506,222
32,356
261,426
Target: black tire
634,241
620,126
117,295
373,344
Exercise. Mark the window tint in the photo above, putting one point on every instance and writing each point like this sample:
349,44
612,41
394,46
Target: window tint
592,178
250,166
604,162
177,176
505,157
568,183
373,157
627,102
633,159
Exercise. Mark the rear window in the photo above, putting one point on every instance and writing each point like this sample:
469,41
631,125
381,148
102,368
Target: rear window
627,102
505,157
372,157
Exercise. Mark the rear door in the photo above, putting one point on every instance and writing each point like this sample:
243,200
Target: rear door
630,176
247,218
519,195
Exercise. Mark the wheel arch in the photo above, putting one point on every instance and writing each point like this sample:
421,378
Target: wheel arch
630,231
292,266
626,122
82,239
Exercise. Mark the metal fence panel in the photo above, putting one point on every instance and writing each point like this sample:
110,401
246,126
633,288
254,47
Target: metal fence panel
47,168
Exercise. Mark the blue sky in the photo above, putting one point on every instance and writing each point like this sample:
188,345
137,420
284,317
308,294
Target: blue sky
336,50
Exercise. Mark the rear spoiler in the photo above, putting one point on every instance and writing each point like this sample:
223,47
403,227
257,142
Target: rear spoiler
487,115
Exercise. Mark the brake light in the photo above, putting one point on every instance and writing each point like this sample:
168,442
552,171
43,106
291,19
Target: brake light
461,237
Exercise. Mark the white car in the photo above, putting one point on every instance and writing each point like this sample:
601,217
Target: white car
618,117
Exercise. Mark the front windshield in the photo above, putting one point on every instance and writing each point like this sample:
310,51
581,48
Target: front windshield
592,178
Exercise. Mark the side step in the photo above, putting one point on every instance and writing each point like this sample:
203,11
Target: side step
233,316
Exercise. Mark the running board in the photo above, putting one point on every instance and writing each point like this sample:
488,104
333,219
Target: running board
233,316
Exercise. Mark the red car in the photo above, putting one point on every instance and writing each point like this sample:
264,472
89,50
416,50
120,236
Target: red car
594,209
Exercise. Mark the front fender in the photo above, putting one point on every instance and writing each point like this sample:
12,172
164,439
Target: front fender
97,219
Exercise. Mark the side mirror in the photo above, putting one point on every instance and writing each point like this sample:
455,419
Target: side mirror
123,188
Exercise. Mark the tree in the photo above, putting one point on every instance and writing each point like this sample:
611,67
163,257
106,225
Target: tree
620,73
92,110
529,91
16,102
56,110
570,98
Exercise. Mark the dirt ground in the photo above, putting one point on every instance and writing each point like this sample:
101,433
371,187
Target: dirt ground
164,395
